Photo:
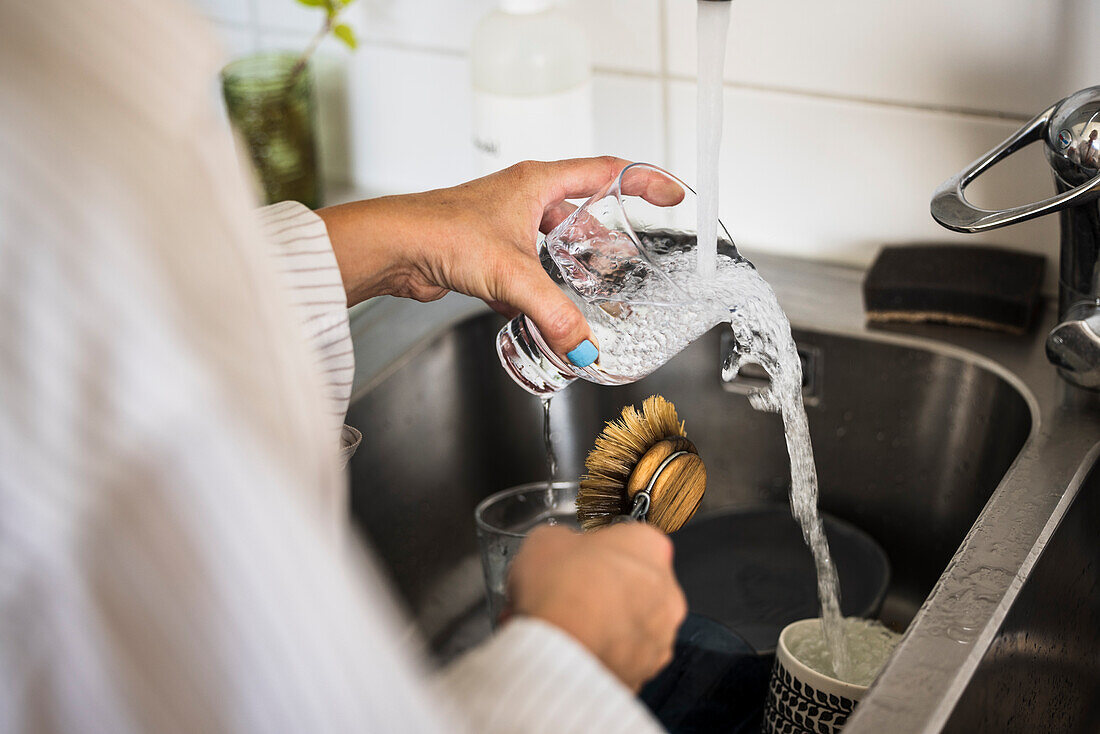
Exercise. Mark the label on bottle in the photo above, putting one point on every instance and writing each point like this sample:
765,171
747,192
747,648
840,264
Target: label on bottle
547,127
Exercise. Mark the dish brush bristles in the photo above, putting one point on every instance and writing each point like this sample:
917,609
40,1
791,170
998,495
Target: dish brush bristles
619,448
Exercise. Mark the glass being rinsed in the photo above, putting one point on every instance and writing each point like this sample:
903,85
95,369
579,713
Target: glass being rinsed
503,523
627,258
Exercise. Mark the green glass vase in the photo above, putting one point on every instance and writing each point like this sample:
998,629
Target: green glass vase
271,105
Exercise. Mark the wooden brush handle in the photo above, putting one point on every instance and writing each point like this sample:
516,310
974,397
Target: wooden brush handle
677,490
651,461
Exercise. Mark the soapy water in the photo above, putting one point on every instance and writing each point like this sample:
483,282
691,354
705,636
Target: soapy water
661,306
869,645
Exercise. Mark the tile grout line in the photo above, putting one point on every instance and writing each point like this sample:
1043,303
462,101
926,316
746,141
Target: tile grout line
870,101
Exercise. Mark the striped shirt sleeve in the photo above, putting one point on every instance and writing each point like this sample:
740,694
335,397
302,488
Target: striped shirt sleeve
307,265
532,677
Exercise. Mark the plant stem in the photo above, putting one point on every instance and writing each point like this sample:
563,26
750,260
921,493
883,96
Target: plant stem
303,60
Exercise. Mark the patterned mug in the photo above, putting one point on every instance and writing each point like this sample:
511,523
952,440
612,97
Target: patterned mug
803,701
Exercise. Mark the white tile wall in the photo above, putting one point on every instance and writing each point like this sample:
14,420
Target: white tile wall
435,24
836,179
1080,57
995,55
625,34
629,117
413,119
286,15
841,117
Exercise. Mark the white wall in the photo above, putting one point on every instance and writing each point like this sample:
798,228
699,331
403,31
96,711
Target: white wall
841,115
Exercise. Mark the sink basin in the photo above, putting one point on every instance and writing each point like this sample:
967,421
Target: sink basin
959,450
910,443
1046,653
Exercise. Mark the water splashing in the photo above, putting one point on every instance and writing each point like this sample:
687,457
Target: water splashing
762,335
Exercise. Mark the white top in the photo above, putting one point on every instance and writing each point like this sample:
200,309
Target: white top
174,373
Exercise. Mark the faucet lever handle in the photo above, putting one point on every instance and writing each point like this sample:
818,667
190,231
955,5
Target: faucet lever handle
951,209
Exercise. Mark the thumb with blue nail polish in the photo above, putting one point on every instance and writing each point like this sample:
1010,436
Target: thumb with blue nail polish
583,354
527,287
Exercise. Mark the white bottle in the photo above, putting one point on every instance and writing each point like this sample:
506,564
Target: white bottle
532,82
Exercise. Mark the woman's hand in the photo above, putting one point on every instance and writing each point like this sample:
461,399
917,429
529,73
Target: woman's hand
477,238
613,590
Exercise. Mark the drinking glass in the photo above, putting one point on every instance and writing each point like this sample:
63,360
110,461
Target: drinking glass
271,104
503,522
627,258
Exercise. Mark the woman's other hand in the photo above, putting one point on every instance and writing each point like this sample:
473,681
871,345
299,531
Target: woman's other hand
613,590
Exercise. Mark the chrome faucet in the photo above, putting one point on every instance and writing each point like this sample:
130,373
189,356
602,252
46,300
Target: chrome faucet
1071,130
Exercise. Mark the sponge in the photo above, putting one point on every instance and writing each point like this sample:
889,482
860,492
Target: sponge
987,287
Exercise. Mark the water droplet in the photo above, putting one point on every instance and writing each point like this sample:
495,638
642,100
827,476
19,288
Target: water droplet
962,633
732,365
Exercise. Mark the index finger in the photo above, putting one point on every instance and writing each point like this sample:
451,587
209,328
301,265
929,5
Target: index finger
656,187
579,178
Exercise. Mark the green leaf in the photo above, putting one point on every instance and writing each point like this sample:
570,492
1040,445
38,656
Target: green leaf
313,3
346,34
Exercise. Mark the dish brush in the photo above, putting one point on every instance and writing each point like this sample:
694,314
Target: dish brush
643,467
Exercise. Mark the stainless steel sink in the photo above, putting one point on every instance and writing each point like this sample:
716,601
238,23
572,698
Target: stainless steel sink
952,447
1046,654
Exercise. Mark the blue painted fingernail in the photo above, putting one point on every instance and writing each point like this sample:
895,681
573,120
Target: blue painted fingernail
584,354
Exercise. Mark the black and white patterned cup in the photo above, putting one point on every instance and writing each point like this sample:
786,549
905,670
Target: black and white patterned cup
803,701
